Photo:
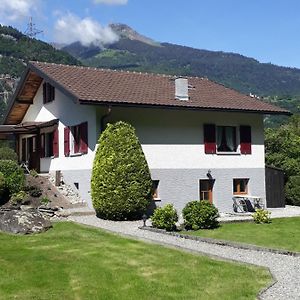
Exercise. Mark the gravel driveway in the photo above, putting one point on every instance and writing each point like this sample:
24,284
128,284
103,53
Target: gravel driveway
285,269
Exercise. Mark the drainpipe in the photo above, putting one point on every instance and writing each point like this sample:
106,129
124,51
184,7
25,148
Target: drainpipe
104,117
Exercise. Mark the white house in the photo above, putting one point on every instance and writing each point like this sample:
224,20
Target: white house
201,139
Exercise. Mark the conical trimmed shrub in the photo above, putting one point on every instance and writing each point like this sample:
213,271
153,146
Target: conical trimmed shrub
121,183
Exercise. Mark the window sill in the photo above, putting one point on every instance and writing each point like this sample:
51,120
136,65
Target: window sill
228,153
75,154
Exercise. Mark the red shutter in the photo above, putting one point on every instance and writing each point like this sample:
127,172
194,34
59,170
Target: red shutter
245,139
56,143
67,141
210,138
42,152
83,137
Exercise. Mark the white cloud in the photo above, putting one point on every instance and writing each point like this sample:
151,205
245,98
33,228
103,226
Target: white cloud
70,28
111,2
16,10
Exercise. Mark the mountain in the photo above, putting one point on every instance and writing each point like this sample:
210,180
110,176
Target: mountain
135,52
16,49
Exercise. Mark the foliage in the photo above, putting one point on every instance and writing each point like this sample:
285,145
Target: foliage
121,183
14,175
19,197
292,190
200,214
33,173
50,265
283,148
261,216
35,191
165,217
7,153
45,200
2,184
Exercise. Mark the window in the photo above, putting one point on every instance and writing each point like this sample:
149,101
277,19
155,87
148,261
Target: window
48,92
240,186
49,144
226,139
206,187
155,195
76,139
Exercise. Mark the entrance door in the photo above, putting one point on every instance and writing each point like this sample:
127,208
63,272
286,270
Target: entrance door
32,153
206,190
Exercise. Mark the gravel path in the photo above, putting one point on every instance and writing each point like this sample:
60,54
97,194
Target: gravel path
285,269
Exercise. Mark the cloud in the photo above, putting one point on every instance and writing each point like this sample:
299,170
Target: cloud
15,10
70,28
111,2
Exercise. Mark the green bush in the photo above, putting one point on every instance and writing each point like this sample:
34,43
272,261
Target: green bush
13,174
7,153
2,184
33,173
121,183
292,190
45,200
165,217
261,216
19,197
200,214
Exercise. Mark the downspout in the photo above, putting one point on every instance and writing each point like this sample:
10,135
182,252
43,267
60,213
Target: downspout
104,117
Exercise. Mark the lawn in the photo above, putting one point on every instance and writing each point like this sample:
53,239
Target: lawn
280,234
76,262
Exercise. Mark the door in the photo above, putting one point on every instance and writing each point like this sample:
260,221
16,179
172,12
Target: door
32,153
206,190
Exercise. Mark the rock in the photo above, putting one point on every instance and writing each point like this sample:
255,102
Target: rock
62,214
23,222
26,207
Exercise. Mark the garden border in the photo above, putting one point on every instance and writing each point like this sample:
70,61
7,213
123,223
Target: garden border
222,242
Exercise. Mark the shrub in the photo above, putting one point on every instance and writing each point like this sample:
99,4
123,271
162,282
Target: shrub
165,217
292,190
13,174
45,200
7,153
34,191
19,197
261,216
121,183
2,184
33,173
200,214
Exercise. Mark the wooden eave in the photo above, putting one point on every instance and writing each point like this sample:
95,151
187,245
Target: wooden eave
23,97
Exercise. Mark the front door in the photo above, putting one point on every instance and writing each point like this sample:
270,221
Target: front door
206,190
32,153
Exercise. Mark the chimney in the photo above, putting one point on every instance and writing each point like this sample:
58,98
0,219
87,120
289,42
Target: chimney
181,89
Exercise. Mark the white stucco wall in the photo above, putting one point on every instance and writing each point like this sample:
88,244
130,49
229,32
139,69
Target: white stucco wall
69,114
173,139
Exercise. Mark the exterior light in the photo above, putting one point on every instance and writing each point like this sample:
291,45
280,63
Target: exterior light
144,219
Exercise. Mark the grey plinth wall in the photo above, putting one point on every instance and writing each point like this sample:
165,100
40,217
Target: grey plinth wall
179,186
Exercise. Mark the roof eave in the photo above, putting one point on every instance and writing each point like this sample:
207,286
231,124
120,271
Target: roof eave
144,105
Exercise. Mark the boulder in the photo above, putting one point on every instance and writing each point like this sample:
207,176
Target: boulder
23,221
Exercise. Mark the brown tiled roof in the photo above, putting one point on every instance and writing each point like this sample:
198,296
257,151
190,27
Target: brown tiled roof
90,85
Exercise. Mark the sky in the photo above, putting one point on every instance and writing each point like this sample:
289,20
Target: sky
267,30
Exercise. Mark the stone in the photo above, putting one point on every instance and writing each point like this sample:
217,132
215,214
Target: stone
23,222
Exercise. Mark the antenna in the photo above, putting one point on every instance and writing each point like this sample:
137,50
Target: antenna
31,30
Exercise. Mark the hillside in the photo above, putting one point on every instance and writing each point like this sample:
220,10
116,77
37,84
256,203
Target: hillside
16,50
138,53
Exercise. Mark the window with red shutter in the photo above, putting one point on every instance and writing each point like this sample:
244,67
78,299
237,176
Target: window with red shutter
56,143
209,138
245,139
67,141
83,138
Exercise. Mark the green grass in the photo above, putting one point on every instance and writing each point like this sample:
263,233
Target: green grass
280,234
77,262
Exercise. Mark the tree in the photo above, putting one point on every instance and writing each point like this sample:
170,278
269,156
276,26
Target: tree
283,151
121,183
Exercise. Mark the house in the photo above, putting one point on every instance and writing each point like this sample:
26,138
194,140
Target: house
201,139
